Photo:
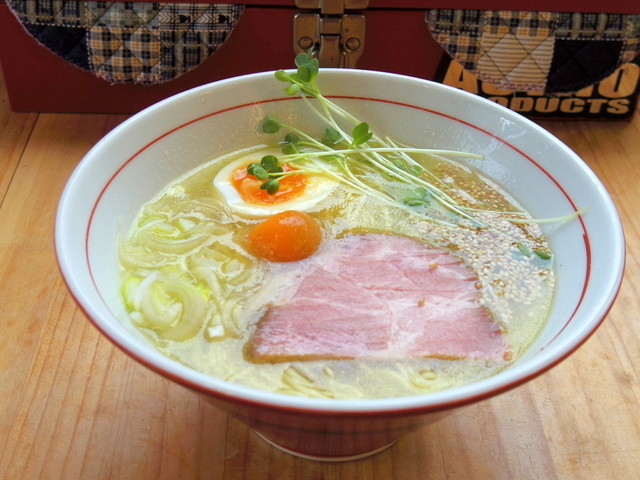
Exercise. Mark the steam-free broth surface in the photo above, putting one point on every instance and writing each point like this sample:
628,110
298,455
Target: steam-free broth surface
193,286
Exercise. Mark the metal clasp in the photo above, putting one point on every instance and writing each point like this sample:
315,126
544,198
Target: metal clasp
333,29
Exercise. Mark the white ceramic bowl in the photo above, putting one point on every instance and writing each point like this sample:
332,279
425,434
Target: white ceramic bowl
135,160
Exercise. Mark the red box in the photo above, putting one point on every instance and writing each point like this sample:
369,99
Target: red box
396,38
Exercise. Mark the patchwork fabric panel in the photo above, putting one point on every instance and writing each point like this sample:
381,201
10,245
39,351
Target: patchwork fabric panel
550,52
129,42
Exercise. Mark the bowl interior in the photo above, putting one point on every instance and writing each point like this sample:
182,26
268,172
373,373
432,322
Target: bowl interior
132,163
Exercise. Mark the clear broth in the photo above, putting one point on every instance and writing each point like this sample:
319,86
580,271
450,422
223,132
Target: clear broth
207,251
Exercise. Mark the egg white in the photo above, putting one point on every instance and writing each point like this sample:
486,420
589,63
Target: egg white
317,189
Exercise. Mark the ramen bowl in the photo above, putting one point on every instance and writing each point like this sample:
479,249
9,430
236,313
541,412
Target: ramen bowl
138,158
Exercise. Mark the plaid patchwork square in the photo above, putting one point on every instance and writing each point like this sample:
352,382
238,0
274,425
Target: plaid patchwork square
121,16
459,30
32,13
516,46
103,43
590,26
456,21
45,11
518,23
123,64
70,14
93,11
212,21
522,61
182,17
214,36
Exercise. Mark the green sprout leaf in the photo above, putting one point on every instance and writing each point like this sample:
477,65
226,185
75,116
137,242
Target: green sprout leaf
271,186
414,202
271,125
418,197
282,76
331,137
401,163
302,58
269,162
289,148
292,138
290,145
361,134
309,71
542,254
258,171
524,250
304,73
293,89
307,61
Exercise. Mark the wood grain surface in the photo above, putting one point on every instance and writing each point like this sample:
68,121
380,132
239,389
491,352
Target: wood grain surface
73,406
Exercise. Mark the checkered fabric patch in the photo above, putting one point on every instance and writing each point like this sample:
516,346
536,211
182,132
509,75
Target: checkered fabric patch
549,52
129,42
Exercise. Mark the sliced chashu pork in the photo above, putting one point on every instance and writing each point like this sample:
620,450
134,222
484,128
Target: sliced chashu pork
378,296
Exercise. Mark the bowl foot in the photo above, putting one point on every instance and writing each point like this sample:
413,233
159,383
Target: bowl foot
321,458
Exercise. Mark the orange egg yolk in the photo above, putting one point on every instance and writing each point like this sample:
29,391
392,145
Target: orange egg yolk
287,236
248,186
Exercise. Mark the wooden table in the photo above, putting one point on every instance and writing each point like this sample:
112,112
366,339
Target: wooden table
75,407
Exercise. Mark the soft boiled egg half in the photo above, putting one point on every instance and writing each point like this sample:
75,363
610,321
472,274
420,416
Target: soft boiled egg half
241,191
